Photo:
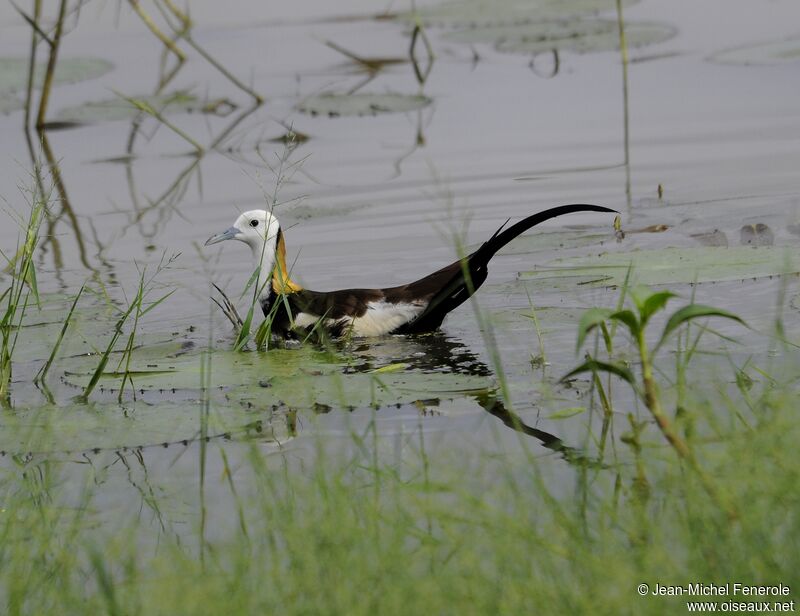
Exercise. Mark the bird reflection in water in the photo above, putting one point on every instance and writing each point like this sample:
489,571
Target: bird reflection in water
436,352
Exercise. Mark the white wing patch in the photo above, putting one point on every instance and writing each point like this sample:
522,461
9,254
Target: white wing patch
381,318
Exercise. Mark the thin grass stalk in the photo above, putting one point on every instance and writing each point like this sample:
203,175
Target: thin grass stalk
106,354
23,273
51,67
37,14
623,50
148,109
653,403
151,25
42,374
128,352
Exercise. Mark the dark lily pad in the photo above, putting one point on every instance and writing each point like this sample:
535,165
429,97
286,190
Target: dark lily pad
362,104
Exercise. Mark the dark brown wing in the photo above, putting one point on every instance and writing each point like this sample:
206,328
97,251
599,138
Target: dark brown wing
335,304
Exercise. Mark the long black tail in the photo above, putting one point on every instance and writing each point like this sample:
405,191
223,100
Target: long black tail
467,275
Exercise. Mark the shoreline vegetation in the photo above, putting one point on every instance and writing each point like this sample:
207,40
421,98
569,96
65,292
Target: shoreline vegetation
147,468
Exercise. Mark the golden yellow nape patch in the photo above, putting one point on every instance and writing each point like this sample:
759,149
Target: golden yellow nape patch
281,283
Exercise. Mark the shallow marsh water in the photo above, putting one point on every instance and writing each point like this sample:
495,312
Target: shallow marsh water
377,200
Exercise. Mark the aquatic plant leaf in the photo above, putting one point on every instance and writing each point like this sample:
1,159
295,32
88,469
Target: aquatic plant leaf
627,318
14,72
590,319
116,109
653,303
773,52
297,378
694,311
75,427
665,266
466,13
362,104
575,35
593,365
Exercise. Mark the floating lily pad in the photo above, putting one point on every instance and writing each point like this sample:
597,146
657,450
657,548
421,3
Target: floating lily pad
75,428
775,52
461,13
120,109
533,243
14,72
334,105
299,378
666,266
576,35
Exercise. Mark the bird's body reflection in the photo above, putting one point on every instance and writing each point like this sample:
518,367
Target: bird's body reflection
437,352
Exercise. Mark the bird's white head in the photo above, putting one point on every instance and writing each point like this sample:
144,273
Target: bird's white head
256,228
261,231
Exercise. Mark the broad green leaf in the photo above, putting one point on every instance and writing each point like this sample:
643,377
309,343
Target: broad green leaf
593,365
654,303
627,318
590,319
639,294
694,311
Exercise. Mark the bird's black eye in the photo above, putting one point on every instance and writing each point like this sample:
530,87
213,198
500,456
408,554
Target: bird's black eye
253,223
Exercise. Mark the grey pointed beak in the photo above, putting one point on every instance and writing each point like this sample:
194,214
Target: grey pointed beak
228,234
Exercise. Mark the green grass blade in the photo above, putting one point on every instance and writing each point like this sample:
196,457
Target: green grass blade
42,374
690,312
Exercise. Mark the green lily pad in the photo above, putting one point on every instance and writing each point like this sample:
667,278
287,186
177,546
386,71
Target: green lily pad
470,13
14,72
75,428
576,35
299,378
116,109
665,266
774,52
334,105
533,243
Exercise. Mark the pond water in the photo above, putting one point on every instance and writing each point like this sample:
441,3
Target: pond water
521,106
